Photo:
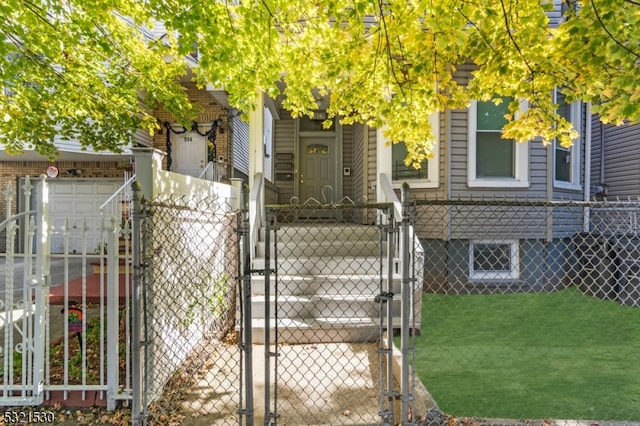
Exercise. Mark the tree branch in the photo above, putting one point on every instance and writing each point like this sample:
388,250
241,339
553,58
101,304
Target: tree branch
604,27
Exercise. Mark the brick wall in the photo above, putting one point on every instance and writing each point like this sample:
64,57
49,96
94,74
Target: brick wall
210,111
12,171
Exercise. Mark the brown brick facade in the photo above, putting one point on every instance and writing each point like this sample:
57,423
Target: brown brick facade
210,111
12,171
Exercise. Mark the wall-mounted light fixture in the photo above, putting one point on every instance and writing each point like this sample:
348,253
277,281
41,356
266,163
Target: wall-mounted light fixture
74,172
219,124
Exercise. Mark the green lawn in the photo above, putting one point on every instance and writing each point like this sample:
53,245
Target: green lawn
559,355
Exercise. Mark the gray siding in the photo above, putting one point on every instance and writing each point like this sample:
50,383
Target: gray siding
347,160
621,165
357,163
555,15
240,143
497,222
284,139
431,221
370,157
596,153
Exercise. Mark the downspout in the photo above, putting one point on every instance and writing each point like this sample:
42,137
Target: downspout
602,137
447,172
587,164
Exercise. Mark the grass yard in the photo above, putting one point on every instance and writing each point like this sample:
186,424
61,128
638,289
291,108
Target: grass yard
558,355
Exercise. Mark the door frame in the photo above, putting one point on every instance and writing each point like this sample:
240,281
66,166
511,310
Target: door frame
337,170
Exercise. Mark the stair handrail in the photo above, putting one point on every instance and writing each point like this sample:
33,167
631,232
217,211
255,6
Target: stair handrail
210,167
123,193
256,206
416,252
390,196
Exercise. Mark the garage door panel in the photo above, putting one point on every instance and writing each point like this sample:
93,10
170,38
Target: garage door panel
103,188
85,188
85,206
61,189
61,207
79,201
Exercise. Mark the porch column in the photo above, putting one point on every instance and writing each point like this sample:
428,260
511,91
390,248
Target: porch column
383,163
148,163
256,166
256,138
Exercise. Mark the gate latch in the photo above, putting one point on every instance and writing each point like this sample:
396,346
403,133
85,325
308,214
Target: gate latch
383,297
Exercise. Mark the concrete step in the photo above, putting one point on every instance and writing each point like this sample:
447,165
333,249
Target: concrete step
324,284
307,248
320,232
330,305
318,330
344,265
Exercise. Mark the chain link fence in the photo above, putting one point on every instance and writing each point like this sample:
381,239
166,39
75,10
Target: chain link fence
328,364
189,354
531,310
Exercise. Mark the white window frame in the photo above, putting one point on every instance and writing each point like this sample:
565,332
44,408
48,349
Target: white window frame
385,163
521,178
574,151
512,274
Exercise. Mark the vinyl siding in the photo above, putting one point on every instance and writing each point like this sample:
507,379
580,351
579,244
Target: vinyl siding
240,143
555,15
357,163
143,137
370,157
284,139
621,159
357,167
347,161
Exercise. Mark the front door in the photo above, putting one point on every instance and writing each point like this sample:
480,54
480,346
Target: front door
189,153
317,169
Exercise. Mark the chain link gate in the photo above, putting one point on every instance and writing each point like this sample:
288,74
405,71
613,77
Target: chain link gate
330,303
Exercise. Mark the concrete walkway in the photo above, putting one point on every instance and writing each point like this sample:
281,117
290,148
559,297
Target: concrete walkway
334,383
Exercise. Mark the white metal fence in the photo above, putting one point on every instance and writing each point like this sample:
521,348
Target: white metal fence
65,316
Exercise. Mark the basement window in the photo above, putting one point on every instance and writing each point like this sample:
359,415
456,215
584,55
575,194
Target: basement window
494,260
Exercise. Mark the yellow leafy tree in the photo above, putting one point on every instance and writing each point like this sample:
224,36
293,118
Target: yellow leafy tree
384,63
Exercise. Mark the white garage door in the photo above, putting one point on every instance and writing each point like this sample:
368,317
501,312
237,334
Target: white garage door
78,200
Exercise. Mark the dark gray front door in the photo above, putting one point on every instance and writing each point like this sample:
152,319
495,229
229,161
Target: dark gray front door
317,169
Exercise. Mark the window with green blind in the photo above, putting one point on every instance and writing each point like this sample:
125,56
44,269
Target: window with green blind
495,156
493,161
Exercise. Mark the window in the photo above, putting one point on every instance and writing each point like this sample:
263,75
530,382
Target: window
391,162
400,171
491,260
492,160
566,169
